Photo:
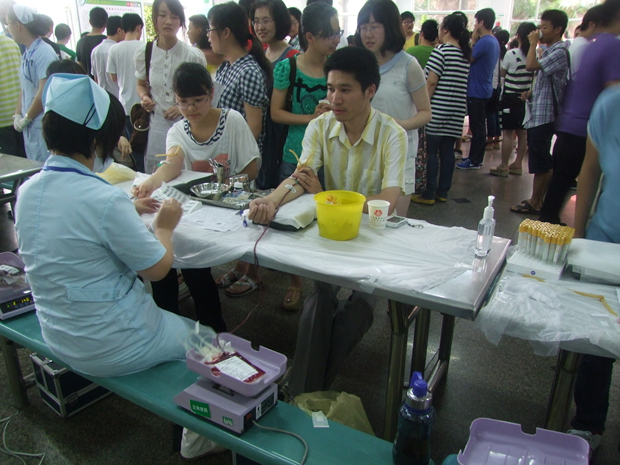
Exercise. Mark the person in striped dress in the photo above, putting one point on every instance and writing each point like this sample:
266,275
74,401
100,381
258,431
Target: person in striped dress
446,79
517,81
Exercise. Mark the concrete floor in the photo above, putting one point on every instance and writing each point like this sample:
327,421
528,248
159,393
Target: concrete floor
506,382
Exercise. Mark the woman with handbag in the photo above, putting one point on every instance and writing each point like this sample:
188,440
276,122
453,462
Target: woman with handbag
156,94
517,84
299,86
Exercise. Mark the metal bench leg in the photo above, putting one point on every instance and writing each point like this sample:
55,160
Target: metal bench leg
560,397
14,372
401,316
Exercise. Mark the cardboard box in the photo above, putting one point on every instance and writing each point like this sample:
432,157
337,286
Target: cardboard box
64,391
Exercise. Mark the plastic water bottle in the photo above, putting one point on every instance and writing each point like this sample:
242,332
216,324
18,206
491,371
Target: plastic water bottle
486,229
412,445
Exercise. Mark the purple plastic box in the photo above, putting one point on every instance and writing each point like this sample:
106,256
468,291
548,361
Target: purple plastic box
494,442
272,363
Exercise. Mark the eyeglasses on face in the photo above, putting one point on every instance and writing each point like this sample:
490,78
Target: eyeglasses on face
370,28
263,22
196,103
335,35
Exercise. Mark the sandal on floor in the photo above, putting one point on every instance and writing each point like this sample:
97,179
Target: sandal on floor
228,279
525,208
498,172
242,287
292,299
517,171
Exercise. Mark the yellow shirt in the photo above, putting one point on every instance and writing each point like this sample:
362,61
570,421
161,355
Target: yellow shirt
9,80
375,162
410,42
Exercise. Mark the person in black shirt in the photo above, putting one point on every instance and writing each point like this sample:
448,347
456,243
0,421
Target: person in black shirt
98,18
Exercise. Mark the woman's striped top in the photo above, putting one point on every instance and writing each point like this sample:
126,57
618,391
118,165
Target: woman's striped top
449,101
518,79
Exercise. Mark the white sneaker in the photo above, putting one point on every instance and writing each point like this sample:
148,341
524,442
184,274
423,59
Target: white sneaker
594,440
195,446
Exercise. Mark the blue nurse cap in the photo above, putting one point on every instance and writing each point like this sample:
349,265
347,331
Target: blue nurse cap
78,98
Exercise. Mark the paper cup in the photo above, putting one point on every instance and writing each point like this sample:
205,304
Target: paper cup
378,213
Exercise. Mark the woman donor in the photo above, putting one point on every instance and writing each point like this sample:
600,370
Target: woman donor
94,312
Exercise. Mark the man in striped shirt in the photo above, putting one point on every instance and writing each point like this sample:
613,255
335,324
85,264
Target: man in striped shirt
361,150
11,141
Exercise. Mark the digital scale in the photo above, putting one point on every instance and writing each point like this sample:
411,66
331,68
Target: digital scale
15,298
227,401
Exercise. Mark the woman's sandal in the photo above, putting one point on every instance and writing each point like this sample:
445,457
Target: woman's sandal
242,287
292,299
517,171
228,279
525,208
498,172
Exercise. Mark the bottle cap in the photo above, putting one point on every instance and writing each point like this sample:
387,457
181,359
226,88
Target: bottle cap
418,397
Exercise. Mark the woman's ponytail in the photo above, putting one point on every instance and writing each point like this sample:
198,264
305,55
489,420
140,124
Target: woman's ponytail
457,27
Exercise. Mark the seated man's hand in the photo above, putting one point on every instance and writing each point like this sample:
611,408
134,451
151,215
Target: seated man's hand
148,205
262,210
308,179
145,189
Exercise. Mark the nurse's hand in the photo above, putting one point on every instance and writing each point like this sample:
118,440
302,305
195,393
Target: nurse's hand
168,216
262,210
148,205
146,188
172,113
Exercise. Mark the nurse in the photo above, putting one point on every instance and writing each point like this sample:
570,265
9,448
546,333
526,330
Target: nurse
84,245
27,27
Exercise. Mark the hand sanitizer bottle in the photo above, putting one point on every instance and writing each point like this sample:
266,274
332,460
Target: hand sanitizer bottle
486,228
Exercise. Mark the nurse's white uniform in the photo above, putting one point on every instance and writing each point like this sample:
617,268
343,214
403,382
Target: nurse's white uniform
82,241
35,61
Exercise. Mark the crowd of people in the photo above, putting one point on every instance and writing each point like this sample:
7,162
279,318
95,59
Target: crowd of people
266,91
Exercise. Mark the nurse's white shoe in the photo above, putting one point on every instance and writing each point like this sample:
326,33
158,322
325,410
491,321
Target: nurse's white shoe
195,446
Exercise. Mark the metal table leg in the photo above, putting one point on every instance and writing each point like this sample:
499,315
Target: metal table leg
445,349
14,372
420,340
401,316
560,397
